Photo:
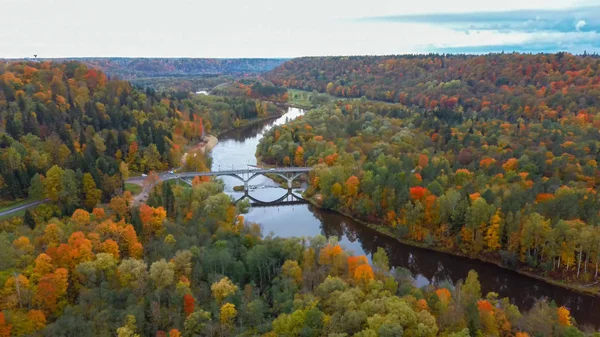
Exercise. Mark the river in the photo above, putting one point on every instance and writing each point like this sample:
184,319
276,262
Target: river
237,150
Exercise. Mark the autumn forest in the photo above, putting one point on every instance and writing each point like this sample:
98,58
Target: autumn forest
491,157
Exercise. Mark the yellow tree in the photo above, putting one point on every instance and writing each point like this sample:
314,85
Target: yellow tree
128,330
228,314
81,217
222,289
53,183
292,270
492,236
91,193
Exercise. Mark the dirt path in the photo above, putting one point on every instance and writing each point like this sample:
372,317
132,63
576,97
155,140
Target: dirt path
208,144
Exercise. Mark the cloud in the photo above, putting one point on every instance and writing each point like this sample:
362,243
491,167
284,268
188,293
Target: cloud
573,42
574,29
531,20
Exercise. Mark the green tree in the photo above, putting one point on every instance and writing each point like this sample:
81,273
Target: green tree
28,220
36,187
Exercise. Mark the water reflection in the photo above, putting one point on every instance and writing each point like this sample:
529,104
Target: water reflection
429,267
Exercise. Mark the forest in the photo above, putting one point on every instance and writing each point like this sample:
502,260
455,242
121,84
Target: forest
493,157
132,68
185,83
509,85
70,134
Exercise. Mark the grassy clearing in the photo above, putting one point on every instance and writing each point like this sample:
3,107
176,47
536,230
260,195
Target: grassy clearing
300,98
13,204
133,188
20,213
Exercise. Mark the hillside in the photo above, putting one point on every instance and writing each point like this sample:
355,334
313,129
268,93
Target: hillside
508,84
131,68
69,120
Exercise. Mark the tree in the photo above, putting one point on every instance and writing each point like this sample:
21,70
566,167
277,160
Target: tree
196,322
81,217
119,206
188,304
92,195
36,188
223,289
564,316
28,220
162,273
53,186
129,329
493,234
227,314
152,219
70,190
381,261
363,273
352,186
299,156
292,270
472,287
5,328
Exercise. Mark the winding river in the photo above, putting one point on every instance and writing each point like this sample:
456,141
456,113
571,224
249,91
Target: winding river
237,150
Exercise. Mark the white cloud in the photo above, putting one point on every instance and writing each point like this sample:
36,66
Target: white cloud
580,24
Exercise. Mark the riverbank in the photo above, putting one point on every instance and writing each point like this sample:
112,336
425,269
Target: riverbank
595,291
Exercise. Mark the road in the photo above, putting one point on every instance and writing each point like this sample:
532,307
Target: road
22,207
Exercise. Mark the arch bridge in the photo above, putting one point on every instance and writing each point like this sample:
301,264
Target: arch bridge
244,175
288,199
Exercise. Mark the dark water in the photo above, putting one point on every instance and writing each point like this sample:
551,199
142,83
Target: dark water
237,150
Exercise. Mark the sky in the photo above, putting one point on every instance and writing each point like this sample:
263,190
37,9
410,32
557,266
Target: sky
283,28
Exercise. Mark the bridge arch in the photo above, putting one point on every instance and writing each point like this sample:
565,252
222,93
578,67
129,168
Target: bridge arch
272,202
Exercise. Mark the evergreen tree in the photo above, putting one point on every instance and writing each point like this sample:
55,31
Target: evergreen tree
29,220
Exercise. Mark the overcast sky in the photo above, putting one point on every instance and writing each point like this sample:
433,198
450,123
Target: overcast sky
280,28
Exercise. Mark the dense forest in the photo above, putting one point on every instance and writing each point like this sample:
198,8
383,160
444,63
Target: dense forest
511,85
522,194
189,265
131,68
254,88
191,83
67,131
491,156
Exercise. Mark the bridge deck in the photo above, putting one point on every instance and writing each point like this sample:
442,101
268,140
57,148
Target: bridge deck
239,173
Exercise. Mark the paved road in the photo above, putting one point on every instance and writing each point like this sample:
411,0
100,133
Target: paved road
22,207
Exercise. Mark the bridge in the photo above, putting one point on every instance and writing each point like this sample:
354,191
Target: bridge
289,174
290,198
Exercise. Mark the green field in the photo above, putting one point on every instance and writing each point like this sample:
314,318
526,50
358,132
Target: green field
14,205
10,205
300,98
133,188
